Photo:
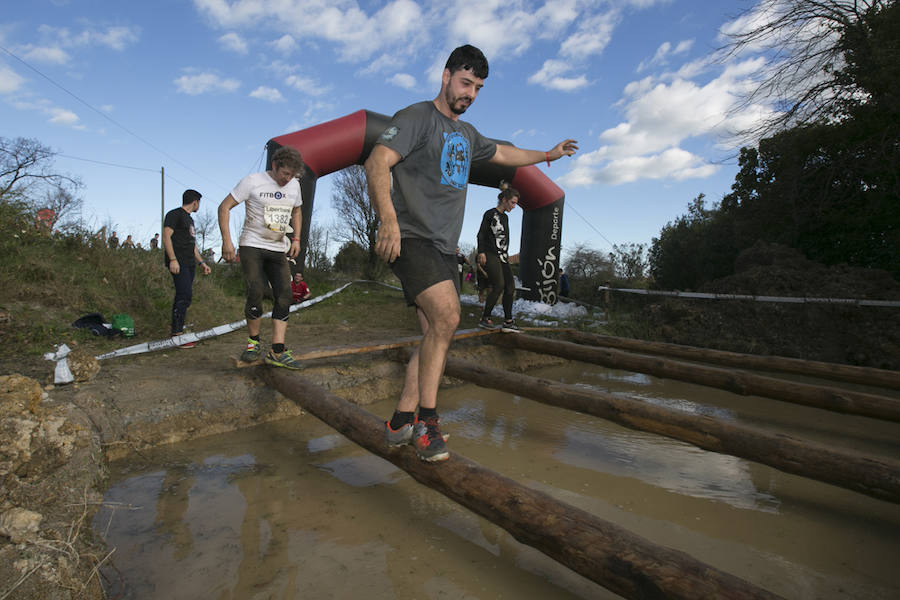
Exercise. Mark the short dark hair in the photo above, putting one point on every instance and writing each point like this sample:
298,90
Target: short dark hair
468,57
190,196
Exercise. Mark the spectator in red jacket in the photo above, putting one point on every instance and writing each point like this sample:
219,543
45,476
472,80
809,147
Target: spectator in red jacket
299,288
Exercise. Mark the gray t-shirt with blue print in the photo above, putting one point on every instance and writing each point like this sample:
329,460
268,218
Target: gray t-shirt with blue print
430,181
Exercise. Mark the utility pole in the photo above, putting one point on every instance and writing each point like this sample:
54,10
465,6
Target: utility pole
162,198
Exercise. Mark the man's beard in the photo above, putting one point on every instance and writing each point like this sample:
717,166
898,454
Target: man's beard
452,103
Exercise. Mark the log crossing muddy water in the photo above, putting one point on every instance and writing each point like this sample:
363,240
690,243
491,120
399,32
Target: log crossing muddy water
867,474
603,552
293,508
837,372
737,381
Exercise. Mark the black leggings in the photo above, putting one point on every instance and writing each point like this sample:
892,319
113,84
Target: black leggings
263,268
500,279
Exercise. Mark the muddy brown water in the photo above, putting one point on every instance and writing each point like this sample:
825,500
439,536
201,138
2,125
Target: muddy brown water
294,510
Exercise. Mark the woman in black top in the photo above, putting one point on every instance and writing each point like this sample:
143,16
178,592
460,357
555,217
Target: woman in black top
493,257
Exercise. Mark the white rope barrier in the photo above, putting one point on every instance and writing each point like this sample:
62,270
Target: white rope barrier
62,374
789,299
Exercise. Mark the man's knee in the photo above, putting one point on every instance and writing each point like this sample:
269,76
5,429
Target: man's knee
440,304
445,319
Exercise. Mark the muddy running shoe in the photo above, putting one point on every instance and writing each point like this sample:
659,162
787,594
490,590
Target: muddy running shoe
185,345
510,327
487,324
402,436
284,359
251,352
398,437
428,440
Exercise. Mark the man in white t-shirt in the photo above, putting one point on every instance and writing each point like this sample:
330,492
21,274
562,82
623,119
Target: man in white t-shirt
272,215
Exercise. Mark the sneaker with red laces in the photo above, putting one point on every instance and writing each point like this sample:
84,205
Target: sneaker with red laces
428,440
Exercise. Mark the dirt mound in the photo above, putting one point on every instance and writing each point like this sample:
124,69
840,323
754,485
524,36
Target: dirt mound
839,332
50,487
776,270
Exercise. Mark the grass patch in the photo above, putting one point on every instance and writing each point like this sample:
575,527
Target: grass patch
48,282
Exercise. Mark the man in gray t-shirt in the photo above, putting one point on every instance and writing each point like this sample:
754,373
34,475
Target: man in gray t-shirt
430,152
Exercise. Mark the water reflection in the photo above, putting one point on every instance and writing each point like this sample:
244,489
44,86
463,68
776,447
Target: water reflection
302,514
665,463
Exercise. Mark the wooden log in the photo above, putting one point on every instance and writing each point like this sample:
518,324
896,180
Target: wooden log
380,346
873,476
739,382
824,370
605,553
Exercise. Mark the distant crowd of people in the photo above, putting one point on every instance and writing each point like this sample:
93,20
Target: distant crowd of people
113,241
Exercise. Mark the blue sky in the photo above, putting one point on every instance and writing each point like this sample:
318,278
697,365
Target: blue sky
199,87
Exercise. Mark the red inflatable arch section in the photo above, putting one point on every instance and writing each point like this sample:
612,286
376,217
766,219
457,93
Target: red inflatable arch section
337,144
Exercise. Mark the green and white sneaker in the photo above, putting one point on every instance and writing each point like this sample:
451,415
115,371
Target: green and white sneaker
251,352
284,359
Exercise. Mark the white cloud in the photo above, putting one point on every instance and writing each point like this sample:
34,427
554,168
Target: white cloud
593,34
13,86
592,37
306,85
357,34
117,38
61,116
268,94
553,75
47,54
285,44
665,50
403,80
523,133
201,83
673,163
10,81
683,46
661,114
234,42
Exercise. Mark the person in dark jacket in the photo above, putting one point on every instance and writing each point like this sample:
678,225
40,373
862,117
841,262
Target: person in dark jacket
493,257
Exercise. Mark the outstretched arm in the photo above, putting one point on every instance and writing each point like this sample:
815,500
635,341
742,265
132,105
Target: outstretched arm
378,173
510,156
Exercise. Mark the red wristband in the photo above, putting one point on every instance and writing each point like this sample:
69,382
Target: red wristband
547,154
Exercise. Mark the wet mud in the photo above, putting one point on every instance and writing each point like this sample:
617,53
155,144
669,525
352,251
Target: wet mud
290,508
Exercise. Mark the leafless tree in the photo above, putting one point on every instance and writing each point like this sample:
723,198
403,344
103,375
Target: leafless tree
359,223
206,225
584,262
800,41
64,203
316,249
26,169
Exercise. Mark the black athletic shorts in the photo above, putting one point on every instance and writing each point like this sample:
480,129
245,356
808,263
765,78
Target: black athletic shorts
421,265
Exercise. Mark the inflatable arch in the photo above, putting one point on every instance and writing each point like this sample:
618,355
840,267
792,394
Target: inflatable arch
337,144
